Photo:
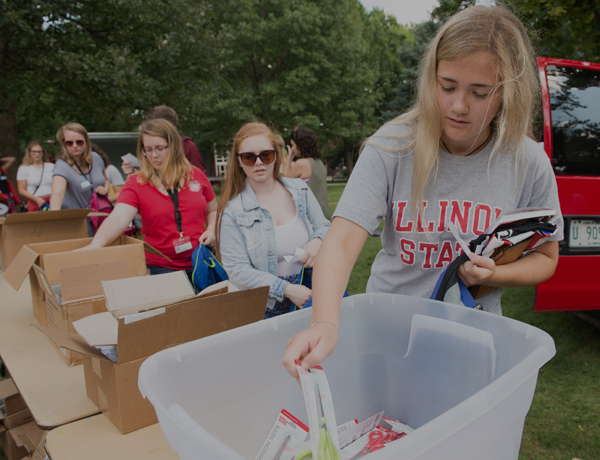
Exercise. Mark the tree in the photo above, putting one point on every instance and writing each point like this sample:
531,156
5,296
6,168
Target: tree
96,62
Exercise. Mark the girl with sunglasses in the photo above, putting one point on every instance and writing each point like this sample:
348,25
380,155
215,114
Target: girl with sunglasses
263,217
78,173
461,154
175,200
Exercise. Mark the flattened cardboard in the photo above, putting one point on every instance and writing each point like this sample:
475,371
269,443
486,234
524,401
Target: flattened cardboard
17,230
113,386
101,329
125,297
27,436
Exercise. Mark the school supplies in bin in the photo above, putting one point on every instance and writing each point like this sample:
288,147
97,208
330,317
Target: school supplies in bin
287,434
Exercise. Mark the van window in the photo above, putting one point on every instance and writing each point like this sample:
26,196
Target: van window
575,113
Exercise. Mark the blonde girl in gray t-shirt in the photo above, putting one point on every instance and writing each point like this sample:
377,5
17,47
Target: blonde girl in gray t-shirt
462,155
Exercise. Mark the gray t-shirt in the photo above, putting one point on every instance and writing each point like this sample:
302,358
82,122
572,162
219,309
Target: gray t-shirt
465,191
80,186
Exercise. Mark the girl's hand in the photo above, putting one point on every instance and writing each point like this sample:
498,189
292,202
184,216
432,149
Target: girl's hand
102,190
311,248
310,347
297,293
39,201
291,152
127,168
207,238
481,273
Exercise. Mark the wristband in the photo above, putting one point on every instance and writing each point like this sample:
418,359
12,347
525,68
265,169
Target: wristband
324,321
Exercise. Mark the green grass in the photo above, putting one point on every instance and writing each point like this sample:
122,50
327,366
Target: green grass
564,420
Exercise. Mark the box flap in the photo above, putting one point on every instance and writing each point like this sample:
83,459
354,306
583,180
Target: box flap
20,266
99,329
70,341
190,320
132,295
40,274
156,252
85,281
28,436
25,217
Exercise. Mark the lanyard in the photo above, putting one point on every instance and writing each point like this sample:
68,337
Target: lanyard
174,195
82,173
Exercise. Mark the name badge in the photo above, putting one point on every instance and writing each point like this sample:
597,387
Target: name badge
182,244
85,183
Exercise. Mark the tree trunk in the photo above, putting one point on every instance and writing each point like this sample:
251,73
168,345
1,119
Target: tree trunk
9,136
349,157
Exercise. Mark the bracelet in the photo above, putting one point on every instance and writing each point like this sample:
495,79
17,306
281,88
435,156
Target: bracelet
324,321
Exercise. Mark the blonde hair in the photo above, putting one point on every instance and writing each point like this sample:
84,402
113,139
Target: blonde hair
176,166
65,155
235,179
27,160
475,29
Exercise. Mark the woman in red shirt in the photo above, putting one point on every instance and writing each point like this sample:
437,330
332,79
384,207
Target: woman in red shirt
175,199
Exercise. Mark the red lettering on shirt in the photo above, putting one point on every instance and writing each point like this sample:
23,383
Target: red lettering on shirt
428,248
497,212
461,218
430,225
408,251
442,219
446,255
401,205
478,220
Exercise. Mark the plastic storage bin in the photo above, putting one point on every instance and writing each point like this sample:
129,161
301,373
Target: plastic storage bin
464,378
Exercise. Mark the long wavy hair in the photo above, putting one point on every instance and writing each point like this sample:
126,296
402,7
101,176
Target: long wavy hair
176,165
306,141
235,179
475,29
27,160
65,155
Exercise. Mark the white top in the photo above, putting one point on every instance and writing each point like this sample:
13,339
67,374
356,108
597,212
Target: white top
114,176
33,176
288,237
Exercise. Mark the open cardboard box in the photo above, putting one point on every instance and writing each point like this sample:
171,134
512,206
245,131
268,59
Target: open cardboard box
17,230
77,295
13,410
149,314
57,255
21,441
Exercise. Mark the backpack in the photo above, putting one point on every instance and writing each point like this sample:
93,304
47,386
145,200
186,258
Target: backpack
99,203
206,268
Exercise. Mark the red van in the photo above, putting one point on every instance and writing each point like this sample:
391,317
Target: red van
571,109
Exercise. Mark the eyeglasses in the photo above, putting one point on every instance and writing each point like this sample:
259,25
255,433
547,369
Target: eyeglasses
249,158
80,143
160,149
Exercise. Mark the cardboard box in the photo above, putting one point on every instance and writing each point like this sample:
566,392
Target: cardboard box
54,256
113,386
17,230
20,442
11,402
77,295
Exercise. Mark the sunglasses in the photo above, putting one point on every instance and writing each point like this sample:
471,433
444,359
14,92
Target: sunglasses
249,158
79,143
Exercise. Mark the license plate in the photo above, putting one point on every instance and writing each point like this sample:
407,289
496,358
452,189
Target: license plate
584,234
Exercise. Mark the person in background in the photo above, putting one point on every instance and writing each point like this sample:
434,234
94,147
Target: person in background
308,165
461,154
263,217
34,177
111,173
9,199
189,148
78,173
176,201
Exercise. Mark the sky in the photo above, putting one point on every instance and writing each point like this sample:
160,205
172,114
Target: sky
406,11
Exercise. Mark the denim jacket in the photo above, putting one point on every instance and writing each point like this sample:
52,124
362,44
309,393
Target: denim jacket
247,238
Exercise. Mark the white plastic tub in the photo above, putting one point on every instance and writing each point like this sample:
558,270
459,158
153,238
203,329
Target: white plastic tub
464,378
